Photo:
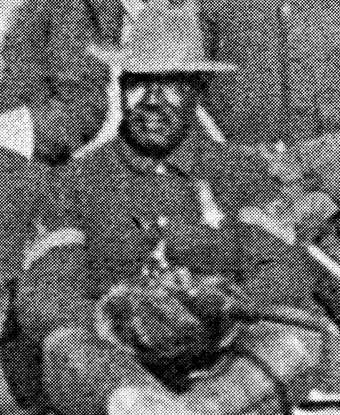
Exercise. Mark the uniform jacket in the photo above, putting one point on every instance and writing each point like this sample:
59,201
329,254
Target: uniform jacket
116,197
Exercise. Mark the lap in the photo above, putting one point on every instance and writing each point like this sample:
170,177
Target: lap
81,372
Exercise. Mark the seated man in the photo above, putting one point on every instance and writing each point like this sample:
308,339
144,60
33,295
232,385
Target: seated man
179,308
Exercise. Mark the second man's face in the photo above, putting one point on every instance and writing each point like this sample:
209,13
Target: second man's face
157,110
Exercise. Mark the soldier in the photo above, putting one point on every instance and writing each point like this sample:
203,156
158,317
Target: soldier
107,337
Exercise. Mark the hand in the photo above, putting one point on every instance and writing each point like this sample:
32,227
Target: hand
282,164
153,317
303,218
307,210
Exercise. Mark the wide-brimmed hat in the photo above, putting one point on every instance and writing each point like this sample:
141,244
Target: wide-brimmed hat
167,39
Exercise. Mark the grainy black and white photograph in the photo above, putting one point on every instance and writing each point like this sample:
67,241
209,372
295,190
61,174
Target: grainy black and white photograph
170,207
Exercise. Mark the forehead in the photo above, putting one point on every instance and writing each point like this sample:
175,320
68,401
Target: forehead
179,78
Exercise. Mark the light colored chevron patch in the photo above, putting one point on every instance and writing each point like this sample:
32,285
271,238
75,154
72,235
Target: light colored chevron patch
49,240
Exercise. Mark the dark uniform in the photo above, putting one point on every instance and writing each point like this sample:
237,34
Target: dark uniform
116,198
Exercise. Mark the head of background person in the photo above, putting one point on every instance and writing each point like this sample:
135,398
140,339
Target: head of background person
164,71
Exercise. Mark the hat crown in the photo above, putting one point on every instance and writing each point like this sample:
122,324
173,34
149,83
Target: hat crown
167,36
164,38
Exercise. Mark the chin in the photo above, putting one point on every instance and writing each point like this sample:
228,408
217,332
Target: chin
155,140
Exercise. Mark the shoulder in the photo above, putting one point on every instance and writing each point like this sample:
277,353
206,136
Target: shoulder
100,162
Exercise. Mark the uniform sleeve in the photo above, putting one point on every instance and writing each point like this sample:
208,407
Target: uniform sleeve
270,270
272,363
49,292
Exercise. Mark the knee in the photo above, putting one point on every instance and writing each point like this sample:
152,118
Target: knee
60,338
147,400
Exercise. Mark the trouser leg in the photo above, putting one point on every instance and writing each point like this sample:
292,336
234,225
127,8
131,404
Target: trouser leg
82,373
21,360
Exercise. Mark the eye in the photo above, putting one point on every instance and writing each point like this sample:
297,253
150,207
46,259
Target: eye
134,95
173,95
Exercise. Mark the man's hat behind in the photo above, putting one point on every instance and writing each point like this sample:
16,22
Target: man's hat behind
166,39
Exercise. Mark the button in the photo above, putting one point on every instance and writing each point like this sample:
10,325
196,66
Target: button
160,169
162,221
286,9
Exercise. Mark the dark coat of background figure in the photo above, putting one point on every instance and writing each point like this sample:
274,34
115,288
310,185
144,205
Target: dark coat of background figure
299,49
47,68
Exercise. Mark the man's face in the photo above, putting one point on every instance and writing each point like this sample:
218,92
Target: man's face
157,110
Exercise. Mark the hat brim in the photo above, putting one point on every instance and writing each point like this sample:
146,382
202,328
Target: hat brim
122,60
199,66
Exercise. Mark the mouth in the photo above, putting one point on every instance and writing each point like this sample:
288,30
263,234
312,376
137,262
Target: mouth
153,123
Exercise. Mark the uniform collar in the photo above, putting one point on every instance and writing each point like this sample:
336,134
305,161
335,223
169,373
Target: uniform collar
181,160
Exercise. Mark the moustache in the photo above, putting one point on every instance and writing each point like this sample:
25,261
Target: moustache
159,114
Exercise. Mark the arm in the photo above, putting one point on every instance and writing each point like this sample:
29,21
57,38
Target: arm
269,358
13,198
312,192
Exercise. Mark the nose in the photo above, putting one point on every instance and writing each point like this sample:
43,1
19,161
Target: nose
153,94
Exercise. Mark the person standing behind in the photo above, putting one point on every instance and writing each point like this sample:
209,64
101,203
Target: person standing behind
46,69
